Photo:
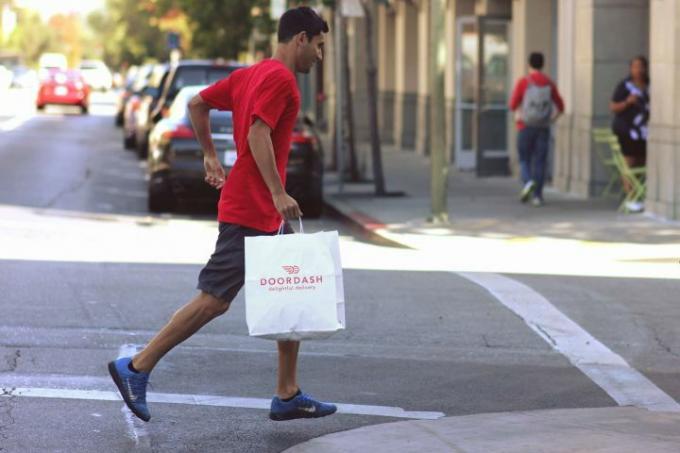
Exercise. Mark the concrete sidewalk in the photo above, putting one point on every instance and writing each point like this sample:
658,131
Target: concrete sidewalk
615,430
487,220
478,206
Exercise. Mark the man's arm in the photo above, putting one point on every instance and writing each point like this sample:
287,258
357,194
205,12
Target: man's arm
260,141
199,112
517,94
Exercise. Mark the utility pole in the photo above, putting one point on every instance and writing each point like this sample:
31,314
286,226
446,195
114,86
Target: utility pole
438,154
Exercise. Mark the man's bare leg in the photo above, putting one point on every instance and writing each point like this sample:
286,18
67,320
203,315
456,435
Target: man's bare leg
184,323
287,377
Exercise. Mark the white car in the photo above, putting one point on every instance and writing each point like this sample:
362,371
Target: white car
96,74
5,78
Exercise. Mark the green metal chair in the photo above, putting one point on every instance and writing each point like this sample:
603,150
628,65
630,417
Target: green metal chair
604,136
635,176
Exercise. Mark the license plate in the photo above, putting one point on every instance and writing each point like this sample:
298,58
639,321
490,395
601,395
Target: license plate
229,158
61,91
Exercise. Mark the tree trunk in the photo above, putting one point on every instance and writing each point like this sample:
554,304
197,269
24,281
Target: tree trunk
372,72
348,107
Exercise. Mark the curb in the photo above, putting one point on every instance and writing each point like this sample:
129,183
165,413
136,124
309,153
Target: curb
360,222
609,429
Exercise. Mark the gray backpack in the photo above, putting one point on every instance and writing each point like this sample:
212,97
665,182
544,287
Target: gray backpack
537,105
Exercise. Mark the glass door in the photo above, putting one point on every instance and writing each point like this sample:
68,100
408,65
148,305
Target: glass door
466,79
482,91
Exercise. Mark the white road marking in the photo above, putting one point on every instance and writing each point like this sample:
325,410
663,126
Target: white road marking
136,429
15,122
626,385
209,400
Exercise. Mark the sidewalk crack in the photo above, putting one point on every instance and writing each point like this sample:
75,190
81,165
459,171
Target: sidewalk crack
663,345
74,187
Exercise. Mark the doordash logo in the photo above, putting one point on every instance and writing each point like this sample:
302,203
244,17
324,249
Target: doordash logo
291,269
294,282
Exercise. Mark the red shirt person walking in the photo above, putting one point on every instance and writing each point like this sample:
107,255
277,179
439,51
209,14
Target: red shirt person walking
534,100
264,101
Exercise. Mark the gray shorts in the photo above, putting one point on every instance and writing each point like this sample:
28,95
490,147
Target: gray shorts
224,274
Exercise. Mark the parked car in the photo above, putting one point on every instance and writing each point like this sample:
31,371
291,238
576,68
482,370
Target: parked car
24,77
175,159
177,76
49,62
304,180
5,78
96,74
63,88
124,94
146,83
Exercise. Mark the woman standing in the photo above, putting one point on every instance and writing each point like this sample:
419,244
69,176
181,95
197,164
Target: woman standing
630,105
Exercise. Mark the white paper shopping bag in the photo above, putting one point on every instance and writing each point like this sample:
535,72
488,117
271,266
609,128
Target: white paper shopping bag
293,286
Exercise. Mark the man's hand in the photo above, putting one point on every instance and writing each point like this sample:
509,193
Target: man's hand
287,206
214,173
631,99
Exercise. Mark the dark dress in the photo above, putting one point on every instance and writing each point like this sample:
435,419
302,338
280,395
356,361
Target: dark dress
630,125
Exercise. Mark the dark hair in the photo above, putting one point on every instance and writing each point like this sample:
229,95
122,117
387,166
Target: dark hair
300,19
642,59
536,60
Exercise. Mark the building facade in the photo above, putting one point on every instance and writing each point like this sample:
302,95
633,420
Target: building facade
588,45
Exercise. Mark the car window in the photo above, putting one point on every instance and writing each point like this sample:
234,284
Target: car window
142,78
221,122
197,75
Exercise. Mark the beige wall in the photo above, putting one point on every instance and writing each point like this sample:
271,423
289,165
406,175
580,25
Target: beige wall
423,115
385,55
663,155
407,72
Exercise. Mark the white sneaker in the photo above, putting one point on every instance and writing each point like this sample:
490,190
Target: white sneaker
527,190
537,202
634,206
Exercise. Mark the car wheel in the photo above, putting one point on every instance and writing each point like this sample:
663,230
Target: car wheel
161,198
129,142
142,148
119,119
84,109
312,207
40,107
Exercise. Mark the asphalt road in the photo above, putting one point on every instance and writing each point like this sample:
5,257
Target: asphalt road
88,274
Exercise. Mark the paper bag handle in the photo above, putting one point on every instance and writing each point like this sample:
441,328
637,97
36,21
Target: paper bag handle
283,226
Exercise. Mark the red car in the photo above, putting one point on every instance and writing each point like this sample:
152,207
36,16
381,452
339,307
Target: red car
64,88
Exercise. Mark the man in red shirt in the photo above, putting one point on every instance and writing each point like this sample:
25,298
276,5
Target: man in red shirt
533,101
264,100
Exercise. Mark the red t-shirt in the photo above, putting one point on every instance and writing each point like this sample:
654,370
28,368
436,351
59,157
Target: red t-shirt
268,91
539,79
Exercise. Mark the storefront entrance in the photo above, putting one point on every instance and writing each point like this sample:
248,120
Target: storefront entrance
483,90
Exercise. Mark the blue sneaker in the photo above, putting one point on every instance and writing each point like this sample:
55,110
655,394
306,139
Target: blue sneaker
132,386
302,406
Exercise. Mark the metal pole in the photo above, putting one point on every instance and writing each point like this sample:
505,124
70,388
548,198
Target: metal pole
339,135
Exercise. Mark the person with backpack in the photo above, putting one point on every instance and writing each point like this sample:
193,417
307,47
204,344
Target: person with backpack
534,100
